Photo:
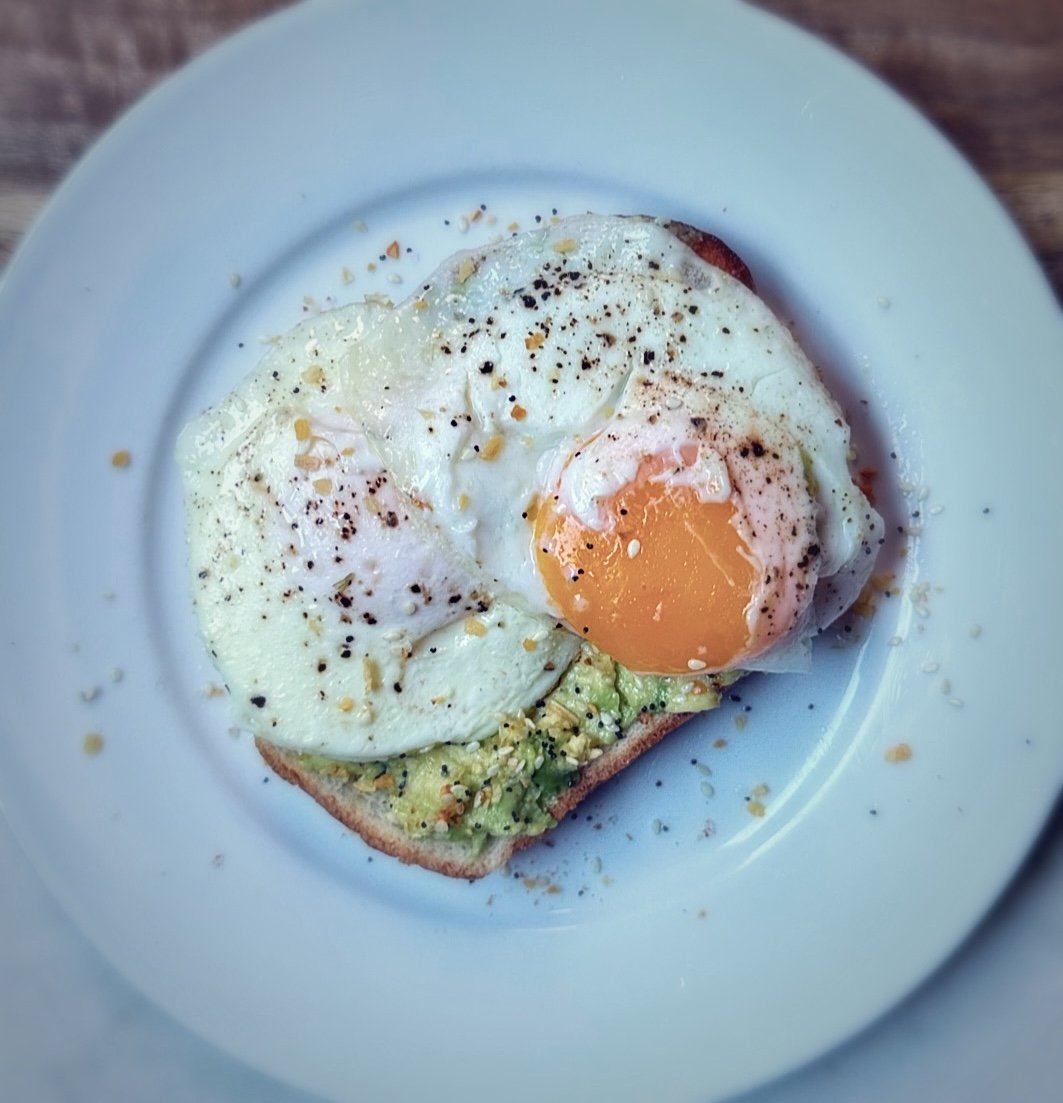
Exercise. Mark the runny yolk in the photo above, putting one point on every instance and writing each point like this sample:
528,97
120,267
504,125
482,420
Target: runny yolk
664,588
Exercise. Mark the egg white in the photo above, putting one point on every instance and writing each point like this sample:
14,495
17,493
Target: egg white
339,614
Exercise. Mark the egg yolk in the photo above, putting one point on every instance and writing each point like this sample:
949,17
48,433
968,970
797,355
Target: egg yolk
664,587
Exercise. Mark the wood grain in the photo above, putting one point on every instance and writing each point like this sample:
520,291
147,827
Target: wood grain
988,73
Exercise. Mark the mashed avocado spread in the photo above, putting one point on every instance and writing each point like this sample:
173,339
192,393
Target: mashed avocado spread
504,784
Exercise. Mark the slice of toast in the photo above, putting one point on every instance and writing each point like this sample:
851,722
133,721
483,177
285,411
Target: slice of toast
366,813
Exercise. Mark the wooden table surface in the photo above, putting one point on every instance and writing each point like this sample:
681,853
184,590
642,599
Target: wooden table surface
989,73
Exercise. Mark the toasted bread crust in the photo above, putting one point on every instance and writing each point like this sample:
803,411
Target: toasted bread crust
712,250
365,813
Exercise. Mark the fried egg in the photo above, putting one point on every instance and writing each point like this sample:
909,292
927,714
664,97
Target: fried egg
340,617
619,433
408,520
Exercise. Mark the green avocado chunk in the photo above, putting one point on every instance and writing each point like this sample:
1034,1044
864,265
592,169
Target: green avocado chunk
505,784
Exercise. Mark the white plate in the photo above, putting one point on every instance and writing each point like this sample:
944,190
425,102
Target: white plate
641,954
